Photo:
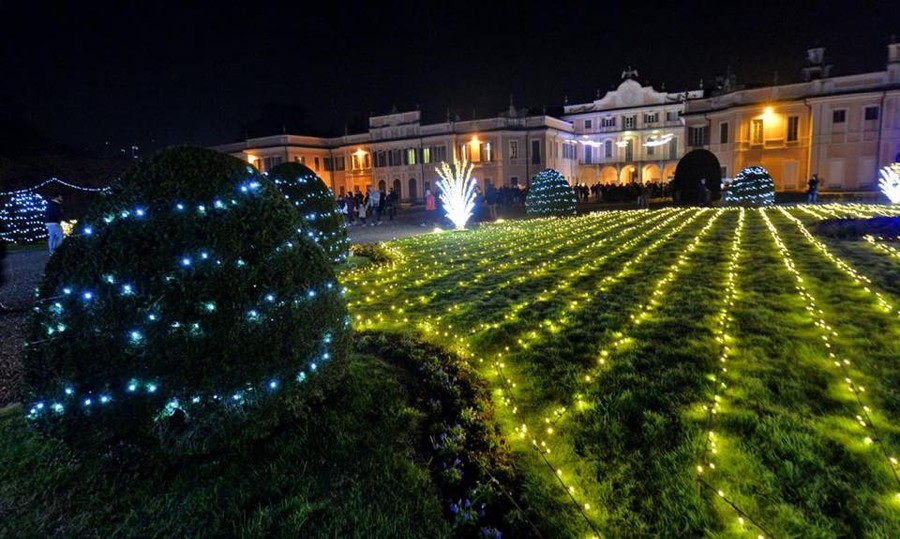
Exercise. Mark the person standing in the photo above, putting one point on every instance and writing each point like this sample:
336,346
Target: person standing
375,203
392,203
430,208
704,192
812,194
53,217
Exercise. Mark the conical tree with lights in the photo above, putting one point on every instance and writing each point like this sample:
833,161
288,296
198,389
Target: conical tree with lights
550,194
753,186
317,206
457,187
187,310
23,217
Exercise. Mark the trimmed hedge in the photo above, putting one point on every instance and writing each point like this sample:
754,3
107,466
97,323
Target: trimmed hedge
186,306
316,204
550,194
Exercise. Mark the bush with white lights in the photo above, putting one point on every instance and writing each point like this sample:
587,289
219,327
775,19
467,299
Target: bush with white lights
550,194
188,308
317,206
753,186
889,182
22,216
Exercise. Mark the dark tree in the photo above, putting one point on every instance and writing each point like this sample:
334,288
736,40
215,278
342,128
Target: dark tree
694,166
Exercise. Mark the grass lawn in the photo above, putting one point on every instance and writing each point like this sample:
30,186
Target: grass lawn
680,372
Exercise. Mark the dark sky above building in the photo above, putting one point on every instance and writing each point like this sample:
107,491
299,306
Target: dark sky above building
195,72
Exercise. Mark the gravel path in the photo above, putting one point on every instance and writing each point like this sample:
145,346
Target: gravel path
24,269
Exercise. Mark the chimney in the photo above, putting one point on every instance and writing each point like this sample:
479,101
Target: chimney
815,65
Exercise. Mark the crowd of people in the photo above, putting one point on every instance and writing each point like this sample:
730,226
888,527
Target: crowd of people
369,209
633,192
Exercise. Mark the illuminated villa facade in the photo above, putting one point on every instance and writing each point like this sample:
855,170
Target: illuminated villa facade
842,128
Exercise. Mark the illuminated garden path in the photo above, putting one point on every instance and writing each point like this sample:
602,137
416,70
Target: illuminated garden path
617,348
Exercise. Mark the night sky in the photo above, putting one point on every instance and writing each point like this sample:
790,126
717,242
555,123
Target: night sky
160,73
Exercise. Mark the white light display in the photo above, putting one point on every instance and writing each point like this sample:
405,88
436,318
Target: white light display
890,182
457,191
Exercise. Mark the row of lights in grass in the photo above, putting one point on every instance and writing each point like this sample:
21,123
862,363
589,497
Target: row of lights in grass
710,445
618,239
138,336
641,313
860,279
499,365
501,370
659,222
864,418
433,328
512,248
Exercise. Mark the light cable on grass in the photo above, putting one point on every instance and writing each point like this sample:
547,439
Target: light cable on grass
738,510
864,418
723,338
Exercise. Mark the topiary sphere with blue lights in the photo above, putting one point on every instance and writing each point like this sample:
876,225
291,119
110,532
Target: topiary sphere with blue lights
22,217
550,194
316,204
753,186
188,308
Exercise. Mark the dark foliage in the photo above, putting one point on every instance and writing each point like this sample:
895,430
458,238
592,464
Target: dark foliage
469,460
695,165
854,229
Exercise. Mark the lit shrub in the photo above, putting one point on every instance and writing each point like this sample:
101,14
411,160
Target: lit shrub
187,306
316,204
550,194
753,186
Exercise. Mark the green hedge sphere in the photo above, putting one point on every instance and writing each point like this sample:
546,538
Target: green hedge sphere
317,205
188,304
